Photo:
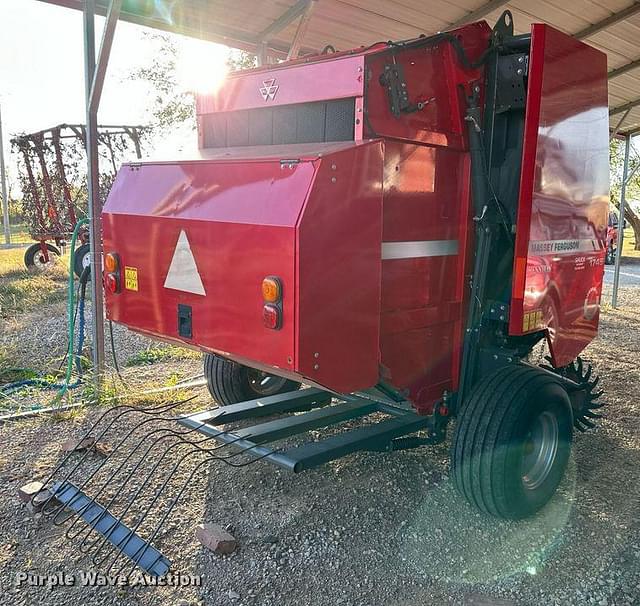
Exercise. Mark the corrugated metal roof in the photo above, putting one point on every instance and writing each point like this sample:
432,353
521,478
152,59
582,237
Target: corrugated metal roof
612,26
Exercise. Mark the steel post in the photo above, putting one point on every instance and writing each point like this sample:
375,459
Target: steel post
5,196
94,81
623,200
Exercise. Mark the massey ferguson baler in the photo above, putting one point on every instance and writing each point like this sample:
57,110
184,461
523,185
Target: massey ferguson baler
395,227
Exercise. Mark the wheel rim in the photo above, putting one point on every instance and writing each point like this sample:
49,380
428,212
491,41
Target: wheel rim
39,262
540,449
264,383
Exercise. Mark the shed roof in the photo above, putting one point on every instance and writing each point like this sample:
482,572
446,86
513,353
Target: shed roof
612,26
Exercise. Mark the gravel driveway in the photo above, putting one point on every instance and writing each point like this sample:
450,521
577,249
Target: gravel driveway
369,529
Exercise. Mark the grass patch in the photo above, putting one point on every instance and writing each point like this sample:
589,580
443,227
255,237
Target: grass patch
151,355
629,245
22,291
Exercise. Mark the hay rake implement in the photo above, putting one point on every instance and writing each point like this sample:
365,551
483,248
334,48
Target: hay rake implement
109,504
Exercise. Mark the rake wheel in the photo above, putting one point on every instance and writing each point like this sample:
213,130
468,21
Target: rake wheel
584,399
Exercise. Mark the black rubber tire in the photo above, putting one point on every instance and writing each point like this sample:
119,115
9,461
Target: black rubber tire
490,440
80,253
229,382
610,255
33,253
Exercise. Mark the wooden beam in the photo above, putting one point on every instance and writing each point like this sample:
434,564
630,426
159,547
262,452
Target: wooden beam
609,21
479,13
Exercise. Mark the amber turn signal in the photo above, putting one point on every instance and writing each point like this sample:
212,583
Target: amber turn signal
271,289
111,262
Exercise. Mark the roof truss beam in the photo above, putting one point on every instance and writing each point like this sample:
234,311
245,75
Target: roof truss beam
623,108
623,69
288,17
609,21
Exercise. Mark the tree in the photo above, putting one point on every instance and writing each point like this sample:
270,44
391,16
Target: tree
172,106
616,163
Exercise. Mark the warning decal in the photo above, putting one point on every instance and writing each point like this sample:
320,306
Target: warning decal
183,272
131,278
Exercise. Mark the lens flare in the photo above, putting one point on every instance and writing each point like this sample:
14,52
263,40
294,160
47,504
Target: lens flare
201,66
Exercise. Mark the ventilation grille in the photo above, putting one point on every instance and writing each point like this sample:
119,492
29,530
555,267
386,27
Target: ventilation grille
300,123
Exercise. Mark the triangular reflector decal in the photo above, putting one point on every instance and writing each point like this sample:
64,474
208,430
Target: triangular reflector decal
183,272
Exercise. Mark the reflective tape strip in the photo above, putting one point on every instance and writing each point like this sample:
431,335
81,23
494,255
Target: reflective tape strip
421,248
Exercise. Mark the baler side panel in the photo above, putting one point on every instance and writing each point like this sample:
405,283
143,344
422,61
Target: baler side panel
564,195
426,200
338,271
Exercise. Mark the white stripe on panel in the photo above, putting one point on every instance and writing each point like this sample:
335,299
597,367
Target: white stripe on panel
422,248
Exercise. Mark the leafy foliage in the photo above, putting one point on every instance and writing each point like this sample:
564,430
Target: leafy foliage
616,164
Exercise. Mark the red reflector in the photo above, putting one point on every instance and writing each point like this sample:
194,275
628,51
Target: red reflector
272,316
112,283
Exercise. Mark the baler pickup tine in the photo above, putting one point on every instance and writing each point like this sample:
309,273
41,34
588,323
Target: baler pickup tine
148,559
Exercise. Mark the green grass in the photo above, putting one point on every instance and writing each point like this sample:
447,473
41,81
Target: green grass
151,355
23,291
628,247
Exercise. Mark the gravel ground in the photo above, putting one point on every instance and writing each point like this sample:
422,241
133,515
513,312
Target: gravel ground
369,529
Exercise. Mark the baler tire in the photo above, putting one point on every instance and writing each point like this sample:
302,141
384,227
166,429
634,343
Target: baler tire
32,258
494,435
229,382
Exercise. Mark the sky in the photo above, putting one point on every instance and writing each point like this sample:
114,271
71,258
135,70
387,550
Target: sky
42,70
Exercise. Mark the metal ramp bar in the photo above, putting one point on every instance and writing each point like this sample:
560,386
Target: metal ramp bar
376,436
293,401
144,555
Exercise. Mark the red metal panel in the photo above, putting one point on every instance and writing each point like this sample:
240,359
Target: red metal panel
426,198
240,225
564,195
338,247
316,223
441,121
330,79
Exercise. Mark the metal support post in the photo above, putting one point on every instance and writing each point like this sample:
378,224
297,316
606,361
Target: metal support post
623,200
94,82
5,195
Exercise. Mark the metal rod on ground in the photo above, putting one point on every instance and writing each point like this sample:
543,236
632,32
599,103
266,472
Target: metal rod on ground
94,80
623,199
5,198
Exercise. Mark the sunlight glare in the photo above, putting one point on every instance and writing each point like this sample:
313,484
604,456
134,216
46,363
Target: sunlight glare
201,66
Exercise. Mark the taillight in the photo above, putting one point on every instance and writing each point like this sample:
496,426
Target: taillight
112,272
272,316
271,289
111,262
272,308
112,283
